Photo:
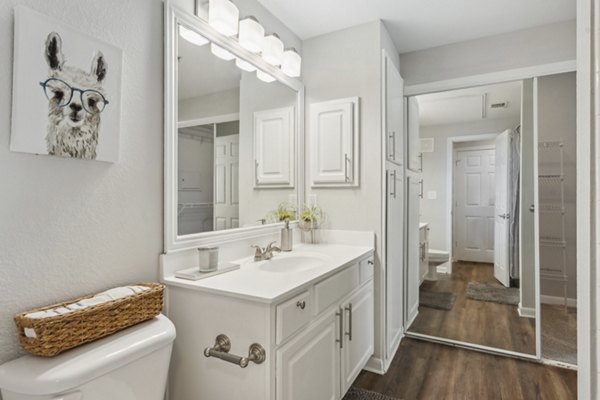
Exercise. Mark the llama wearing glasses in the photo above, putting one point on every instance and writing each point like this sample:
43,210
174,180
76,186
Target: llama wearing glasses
76,100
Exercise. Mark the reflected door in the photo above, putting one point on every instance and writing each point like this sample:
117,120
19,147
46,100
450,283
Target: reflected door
226,182
502,217
474,199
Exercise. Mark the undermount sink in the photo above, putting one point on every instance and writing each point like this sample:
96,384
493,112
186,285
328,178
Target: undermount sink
292,264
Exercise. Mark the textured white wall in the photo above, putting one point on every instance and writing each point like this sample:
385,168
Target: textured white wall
70,227
541,45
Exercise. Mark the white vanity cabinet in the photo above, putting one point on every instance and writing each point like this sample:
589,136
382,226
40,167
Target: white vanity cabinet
317,338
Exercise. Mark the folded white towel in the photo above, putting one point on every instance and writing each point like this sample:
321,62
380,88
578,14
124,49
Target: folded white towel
100,298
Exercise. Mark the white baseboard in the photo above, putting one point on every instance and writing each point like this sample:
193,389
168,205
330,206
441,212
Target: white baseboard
412,315
526,312
375,365
555,300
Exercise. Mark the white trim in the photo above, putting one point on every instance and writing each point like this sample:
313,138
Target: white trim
218,119
536,223
375,365
558,300
472,346
412,315
450,185
172,241
526,312
491,78
587,352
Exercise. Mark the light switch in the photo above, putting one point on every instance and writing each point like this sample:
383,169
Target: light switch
431,195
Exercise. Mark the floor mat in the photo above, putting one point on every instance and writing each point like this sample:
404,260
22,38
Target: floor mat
438,300
355,393
492,292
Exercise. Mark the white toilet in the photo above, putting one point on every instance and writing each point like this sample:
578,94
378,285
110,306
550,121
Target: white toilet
130,365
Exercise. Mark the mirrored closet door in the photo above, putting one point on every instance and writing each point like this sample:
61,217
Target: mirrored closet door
496,218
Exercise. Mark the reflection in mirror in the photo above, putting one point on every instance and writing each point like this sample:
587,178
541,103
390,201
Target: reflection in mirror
467,281
236,141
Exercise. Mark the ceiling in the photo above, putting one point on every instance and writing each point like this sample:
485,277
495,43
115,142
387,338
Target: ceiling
470,105
421,24
202,73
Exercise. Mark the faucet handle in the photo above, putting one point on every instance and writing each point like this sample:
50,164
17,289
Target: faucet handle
259,250
270,245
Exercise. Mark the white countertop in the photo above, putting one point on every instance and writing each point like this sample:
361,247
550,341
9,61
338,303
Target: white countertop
252,282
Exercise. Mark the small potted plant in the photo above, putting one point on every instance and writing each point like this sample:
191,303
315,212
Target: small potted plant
282,212
311,218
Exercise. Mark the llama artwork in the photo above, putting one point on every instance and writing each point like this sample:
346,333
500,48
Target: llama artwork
75,102
66,93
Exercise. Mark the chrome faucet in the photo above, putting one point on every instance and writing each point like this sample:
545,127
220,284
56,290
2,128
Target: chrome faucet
266,253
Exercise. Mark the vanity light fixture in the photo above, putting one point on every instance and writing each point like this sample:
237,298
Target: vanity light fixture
221,52
223,15
272,50
244,65
263,76
251,34
291,63
191,36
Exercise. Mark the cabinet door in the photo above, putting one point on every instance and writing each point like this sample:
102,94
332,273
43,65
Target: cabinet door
358,334
394,113
334,152
308,367
413,138
274,148
394,263
413,249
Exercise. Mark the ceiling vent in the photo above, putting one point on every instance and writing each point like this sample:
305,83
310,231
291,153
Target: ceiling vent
503,104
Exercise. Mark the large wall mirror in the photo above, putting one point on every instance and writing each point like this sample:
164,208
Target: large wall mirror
233,137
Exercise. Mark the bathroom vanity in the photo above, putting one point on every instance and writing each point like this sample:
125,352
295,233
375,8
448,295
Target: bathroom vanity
311,311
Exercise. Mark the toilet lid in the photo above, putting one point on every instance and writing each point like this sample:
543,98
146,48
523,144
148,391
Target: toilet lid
34,375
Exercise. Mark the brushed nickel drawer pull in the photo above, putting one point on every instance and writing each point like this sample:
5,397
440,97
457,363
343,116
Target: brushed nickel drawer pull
301,304
349,333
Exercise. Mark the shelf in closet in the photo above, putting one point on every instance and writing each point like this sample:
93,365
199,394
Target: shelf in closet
552,208
551,178
187,206
552,241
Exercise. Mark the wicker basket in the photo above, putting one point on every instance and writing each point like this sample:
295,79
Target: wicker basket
59,333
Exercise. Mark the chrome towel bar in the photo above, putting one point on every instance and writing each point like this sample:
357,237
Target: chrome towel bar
256,353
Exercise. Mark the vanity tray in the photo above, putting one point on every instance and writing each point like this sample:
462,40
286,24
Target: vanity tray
51,335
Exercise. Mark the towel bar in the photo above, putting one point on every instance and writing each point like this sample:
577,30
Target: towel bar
256,353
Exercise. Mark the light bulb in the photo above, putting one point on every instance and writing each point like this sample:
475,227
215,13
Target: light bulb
221,52
251,35
191,36
223,15
244,65
291,64
263,76
272,51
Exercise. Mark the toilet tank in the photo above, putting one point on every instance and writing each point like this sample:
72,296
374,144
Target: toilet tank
130,365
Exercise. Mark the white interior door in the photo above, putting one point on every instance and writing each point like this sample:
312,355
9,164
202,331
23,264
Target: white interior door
227,169
502,217
474,209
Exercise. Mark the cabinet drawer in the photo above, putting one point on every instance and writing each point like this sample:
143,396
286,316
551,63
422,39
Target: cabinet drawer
333,289
293,315
366,269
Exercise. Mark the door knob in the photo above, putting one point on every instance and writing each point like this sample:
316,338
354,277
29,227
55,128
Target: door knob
532,208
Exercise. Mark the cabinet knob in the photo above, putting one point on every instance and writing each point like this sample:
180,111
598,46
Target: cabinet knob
301,304
371,262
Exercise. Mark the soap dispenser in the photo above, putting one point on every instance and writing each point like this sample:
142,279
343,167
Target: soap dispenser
287,238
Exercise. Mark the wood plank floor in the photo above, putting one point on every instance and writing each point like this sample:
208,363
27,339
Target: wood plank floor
429,371
480,322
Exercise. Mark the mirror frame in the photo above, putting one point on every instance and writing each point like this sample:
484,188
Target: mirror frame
172,241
